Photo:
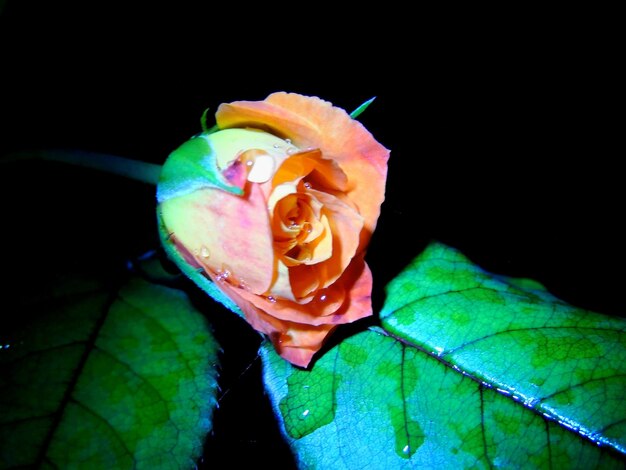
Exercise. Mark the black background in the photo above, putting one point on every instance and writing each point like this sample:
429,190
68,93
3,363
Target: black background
503,133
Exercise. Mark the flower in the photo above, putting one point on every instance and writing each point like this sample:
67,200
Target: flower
277,207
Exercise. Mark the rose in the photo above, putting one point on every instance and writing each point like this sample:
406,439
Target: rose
277,207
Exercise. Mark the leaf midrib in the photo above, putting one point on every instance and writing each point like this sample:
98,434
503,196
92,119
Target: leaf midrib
89,345
607,446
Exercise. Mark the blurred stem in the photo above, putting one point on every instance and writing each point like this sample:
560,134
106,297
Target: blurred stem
132,169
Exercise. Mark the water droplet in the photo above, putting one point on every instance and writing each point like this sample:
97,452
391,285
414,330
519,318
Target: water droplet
408,433
271,299
288,141
276,146
307,185
318,400
223,275
292,150
262,169
322,298
204,252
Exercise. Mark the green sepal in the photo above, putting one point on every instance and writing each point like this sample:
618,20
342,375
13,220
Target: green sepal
358,111
190,167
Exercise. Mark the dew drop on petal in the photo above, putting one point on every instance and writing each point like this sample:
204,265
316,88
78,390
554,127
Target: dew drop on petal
322,298
262,169
291,150
204,252
271,299
307,185
223,275
288,141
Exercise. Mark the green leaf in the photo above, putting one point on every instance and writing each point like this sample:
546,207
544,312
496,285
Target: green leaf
100,379
470,370
190,167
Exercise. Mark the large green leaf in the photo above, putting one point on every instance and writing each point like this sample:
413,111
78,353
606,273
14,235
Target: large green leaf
94,378
470,369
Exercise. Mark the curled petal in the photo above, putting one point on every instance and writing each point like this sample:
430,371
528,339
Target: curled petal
298,333
345,301
312,122
345,225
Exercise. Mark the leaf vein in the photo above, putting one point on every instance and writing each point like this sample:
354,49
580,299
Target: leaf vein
98,416
530,328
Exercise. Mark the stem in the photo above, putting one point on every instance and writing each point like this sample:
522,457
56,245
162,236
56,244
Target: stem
133,169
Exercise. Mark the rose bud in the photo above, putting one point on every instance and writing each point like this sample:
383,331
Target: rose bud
272,213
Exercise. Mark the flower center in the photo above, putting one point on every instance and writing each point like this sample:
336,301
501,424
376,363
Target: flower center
301,232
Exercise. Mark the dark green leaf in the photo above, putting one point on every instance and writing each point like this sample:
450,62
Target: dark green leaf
94,379
470,370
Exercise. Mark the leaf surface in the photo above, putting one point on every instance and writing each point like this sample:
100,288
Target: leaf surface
469,369
99,379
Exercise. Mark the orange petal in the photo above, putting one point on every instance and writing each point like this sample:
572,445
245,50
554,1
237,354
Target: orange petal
345,225
297,343
312,313
345,301
312,122
225,231
358,281
302,164
301,342
296,339
282,286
